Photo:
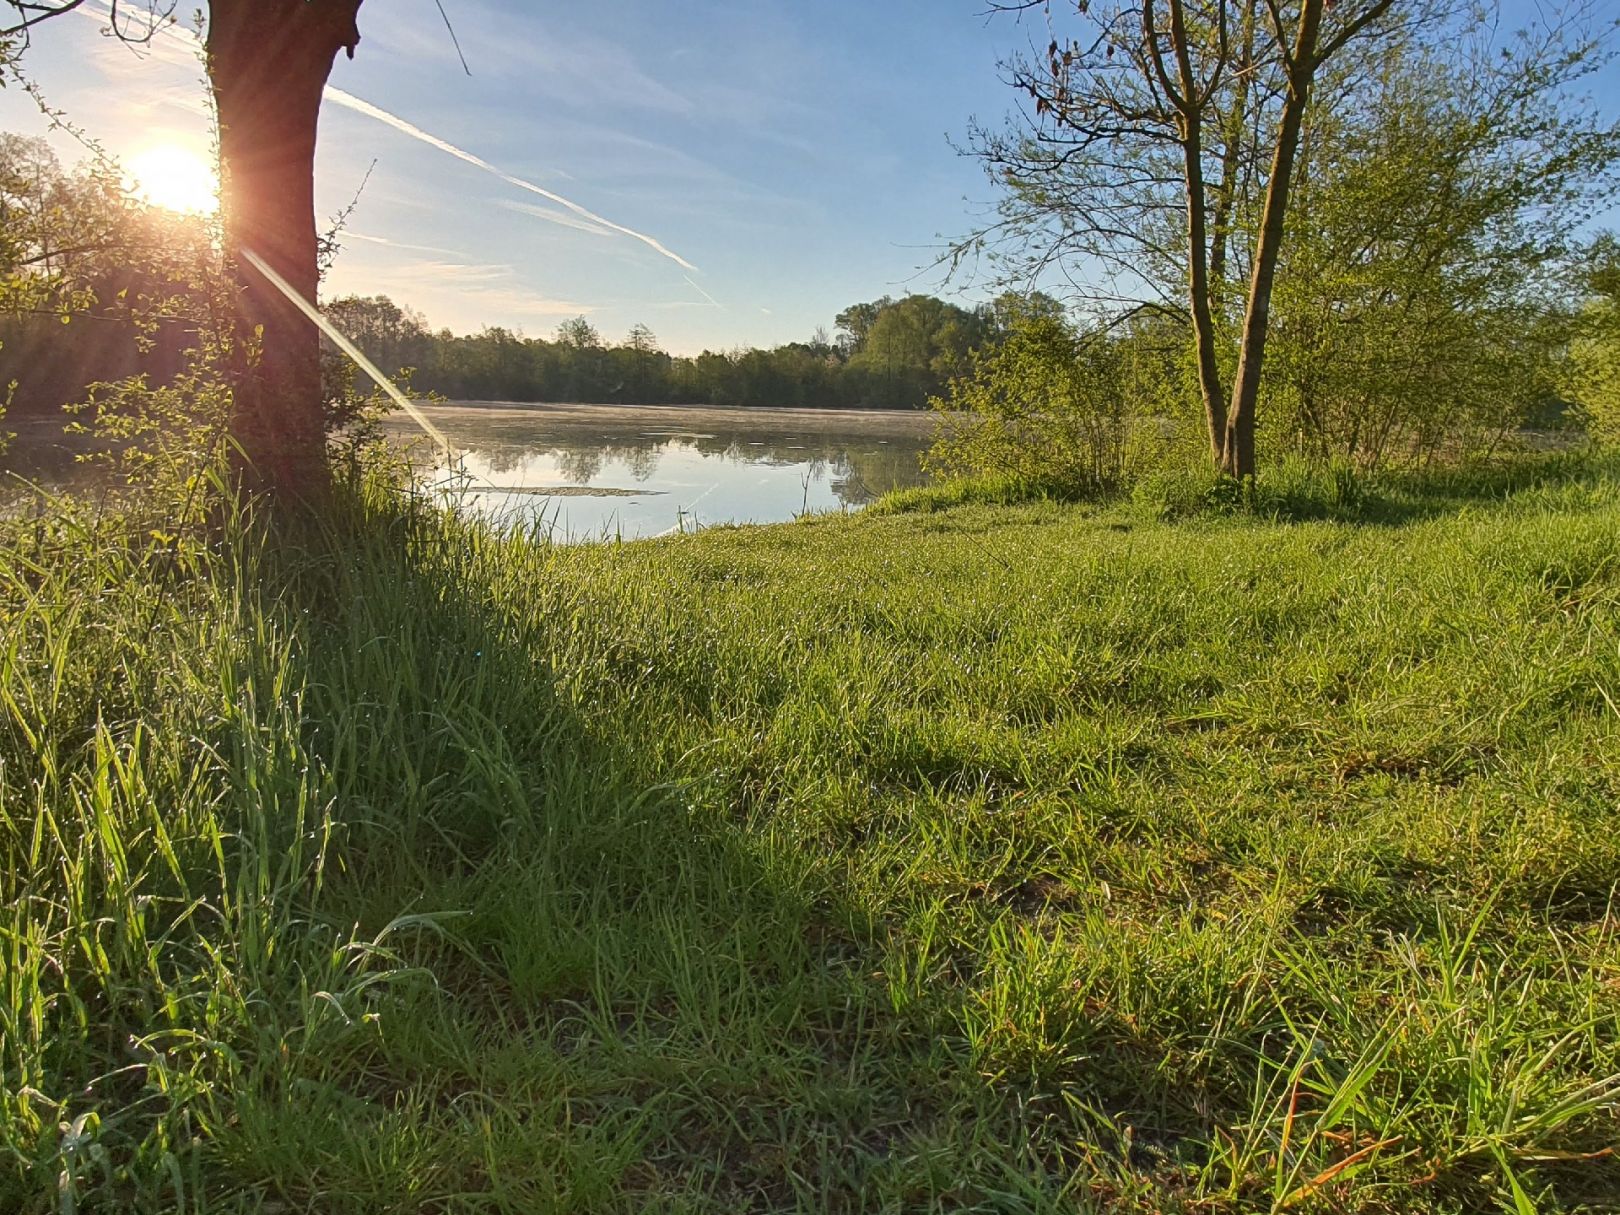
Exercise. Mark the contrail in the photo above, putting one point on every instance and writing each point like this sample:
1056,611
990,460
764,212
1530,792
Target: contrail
350,101
102,10
553,216
703,293
350,234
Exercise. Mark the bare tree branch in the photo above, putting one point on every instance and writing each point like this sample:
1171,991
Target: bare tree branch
31,14
454,41
138,27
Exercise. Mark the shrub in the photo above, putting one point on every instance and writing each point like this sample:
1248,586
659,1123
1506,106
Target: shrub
1593,374
1039,408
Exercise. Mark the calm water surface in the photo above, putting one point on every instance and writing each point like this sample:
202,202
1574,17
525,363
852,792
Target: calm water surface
598,471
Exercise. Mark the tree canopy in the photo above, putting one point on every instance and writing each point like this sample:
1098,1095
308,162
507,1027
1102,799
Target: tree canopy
1292,178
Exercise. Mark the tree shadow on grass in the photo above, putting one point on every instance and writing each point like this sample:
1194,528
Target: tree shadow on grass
619,1006
1398,498
637,1004
624,1002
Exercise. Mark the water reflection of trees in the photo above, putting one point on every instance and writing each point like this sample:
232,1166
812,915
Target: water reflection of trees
583,464
500,459
642,461
871,472
860,471
857,472
579,464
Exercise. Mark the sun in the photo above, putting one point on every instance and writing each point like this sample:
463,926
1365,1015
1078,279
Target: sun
175,178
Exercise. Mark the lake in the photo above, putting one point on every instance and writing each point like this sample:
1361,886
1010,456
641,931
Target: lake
588,472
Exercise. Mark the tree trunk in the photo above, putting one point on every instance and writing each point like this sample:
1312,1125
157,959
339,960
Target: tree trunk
1198,280
1232,135
268,62
1237,453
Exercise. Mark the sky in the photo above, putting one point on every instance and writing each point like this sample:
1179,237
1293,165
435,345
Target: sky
726,172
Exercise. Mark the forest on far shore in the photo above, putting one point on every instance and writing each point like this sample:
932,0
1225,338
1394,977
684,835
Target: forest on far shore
884,354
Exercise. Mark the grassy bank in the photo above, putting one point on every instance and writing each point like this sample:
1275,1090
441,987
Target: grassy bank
1002,858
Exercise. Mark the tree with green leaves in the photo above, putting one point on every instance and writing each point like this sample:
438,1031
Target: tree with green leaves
855,323
579,334
1420,293
76,249
392,336
909,348
1591,374
1159,164
1010,307
1042,406
54,227
268,64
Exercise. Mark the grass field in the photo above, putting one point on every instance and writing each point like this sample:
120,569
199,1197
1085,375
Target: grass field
1000,858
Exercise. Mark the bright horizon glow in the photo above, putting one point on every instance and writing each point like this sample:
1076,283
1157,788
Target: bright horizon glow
173,177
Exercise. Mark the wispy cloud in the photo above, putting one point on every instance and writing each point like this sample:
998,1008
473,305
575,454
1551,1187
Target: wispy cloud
675,305
136,91
552,56
351,102
367,238
177,44
552,216
173,43
463,287
463,272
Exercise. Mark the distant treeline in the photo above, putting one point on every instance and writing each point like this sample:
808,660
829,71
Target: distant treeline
886,354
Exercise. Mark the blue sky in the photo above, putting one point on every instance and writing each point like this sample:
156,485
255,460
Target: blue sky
795,154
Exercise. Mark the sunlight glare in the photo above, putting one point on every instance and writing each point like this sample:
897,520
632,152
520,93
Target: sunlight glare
175,178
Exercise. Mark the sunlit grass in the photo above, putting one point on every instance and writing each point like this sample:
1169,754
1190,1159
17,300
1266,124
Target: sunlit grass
1013,858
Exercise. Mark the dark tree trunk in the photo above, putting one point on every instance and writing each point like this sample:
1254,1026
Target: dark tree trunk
268,62
1237,455
1183,95
1199,290
1232,135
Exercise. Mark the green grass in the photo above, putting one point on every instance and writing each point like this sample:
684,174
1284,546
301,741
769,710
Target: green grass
987,490
1020,859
